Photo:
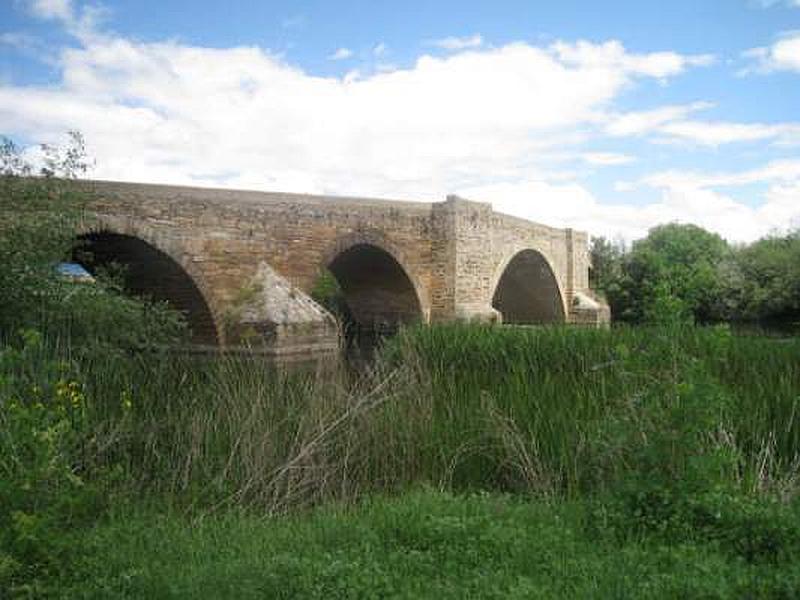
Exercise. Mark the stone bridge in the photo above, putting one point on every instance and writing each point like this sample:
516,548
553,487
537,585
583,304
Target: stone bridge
242,265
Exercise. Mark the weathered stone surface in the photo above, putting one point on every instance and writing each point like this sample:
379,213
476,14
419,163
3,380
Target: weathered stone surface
275,316
395,260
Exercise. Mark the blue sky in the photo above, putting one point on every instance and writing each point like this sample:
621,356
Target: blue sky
611,120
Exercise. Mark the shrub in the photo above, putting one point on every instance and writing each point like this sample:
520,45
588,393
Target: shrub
44,493
40,218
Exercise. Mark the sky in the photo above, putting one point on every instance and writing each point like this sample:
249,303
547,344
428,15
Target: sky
607,117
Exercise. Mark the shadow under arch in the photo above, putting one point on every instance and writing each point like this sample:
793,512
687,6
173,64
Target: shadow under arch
527,291
150,273
378,292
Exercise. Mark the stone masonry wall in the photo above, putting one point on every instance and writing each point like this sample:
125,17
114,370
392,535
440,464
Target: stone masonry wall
453,252
486,242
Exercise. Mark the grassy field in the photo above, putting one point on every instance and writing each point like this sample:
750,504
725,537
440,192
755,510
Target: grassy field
423,544
468,462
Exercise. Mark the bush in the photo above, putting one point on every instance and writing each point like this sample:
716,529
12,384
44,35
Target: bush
40,218
684,269
52,469
45,493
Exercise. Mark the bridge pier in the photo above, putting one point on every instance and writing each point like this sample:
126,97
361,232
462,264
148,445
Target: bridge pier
477,314
273,317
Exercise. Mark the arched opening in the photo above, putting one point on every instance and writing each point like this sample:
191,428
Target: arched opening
528,291
378,296
150,273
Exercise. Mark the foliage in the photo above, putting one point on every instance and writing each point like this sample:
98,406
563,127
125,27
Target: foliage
546,411
771,272
67,161
654,431
51,479
673,261
45,494
328,293
40,219
425,544
563,388
681,272
606,266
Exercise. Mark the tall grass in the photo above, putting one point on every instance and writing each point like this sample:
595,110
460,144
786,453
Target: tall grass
672,432
663,434
557,394
551,411
548,410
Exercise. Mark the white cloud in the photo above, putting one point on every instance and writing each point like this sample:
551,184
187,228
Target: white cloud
605,159
82,21
624,186
380,49
18,40
384,67
783,55
31,46
243,118
670,124
613,54
776,171
167,112
644,122
458,43
716,133
572,205
690,197
341,54
52,9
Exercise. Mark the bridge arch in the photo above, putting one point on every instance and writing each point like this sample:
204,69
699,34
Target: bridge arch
526,290
152,269
379,289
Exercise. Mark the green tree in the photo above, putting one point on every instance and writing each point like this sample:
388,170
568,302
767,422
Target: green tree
771,273
607,261
53,477
673,273
41,213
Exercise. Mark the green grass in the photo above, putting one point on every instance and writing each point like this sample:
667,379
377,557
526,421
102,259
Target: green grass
558,393
423,544
548,411
655,458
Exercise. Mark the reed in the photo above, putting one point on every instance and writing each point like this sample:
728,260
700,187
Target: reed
551,411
